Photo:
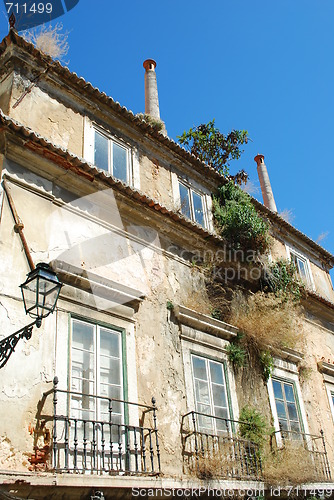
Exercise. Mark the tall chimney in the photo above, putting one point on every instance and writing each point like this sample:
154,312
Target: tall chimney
267,192
151,89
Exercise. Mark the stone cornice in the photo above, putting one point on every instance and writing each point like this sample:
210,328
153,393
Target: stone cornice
204,323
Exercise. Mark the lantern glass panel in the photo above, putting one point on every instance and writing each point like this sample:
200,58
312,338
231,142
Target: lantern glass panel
40,291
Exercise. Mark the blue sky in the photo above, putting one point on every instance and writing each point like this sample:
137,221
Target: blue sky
262,65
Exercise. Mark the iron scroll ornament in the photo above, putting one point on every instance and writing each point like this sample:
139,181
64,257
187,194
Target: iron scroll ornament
8,344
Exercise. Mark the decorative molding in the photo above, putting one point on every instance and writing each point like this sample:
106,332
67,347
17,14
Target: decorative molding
326,368
291,355
97,285
204,323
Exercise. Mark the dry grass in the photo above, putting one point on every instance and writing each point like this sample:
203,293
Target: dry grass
291,465
50,40
266,321
288,215
198,302
213,466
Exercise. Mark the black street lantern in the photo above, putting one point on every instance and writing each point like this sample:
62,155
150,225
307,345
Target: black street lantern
40,293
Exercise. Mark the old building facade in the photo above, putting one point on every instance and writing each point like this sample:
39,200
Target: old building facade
112,391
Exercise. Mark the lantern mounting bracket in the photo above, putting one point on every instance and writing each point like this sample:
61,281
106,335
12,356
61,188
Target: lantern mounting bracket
8,344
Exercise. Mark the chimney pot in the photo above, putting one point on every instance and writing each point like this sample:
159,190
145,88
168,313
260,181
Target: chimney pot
149,64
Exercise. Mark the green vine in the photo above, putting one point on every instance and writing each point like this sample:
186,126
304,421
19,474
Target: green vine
267,364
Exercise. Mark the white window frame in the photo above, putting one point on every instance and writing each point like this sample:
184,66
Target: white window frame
96,357
309,278
204,345
330,394
288,372
191,190
210,384
89,148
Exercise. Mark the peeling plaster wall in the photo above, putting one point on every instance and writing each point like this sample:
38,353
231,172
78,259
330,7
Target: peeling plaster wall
155,180
47,116
6,84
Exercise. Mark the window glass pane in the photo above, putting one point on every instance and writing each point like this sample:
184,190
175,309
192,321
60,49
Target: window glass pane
198,208
83,336
222,413
199,368
216,372
280,409
293,257
185,204
302,269
82,364
204,422
295,427
283,424
202,392
101,151
109,343
289,395
110,372
120,162
292,411
218,394
277,389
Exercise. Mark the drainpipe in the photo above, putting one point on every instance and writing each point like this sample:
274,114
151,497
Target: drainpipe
267,192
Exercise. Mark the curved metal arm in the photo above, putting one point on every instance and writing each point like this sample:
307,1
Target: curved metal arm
8,344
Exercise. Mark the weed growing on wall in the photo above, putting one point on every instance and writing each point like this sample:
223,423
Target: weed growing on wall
238,221
281,279
157,124
253,426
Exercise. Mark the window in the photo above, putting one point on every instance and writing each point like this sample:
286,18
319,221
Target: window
286,408
192,204
96,370
330,392
210,393
111,156
302,266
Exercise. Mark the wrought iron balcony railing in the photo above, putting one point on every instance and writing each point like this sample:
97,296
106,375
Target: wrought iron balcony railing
212,448
105,445
313,445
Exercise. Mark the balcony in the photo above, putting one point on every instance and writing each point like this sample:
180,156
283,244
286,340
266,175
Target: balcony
107,445
310,448
212,449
